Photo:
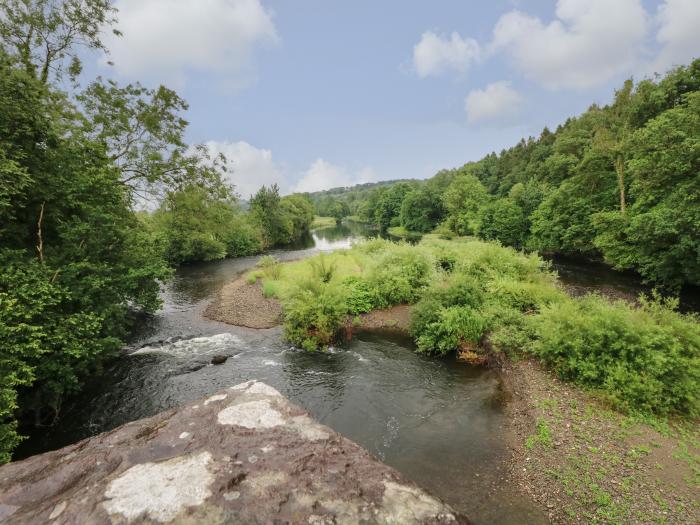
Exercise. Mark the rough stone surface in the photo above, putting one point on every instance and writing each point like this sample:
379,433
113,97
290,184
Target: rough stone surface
251,456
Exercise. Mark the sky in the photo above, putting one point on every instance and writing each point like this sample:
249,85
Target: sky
314,94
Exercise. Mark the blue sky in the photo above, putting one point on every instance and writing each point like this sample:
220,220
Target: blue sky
313,94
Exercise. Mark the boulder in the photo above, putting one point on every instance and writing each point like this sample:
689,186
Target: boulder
244,455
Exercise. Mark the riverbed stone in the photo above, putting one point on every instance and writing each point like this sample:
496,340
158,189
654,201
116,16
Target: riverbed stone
244,455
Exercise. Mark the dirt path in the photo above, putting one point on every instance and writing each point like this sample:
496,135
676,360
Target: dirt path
242,304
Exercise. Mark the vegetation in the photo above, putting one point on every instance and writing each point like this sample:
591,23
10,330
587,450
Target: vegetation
619,183
484,299
76,257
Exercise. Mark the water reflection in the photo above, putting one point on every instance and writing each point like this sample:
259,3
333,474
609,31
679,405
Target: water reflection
437,421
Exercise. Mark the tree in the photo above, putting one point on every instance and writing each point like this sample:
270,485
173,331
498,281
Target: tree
300,211
339,210
660,234
142,131
388,208
421,209
45,34
74,259
265,206
503,220
462,200
194,225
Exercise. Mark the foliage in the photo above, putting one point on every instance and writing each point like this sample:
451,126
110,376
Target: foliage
314,314
452,327
242,236
43,35
270,266
388,210
283,220
323,268
193,225
74,259
463,198
658,234
502,220
142,131
643,359
360,297
421,209
398,274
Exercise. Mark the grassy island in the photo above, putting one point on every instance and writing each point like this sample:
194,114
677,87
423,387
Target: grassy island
488,302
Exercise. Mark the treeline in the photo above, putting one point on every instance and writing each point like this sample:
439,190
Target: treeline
193,225
619,183
75,163
354,201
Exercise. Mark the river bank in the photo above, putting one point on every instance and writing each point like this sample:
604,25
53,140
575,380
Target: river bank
577,459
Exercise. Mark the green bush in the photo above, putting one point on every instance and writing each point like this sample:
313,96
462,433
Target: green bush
243,237
643,359
270,266
398,275
523,296
360,298
270,289
459,290
453,327
323,268
314,315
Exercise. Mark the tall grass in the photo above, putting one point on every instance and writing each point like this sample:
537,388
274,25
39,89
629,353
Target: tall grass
489,299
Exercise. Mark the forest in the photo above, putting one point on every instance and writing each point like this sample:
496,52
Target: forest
78,165
101,197
619,183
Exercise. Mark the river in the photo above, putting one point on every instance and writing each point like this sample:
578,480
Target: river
438,421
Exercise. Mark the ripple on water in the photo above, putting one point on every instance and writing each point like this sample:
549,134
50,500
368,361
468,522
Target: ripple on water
213,344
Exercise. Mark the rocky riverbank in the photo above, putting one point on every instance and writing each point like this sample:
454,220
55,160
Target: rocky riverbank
580,461
584,463
243,455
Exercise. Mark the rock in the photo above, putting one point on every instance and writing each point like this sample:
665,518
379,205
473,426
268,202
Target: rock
219,359
244,455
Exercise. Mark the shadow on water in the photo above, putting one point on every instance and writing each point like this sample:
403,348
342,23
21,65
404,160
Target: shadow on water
438,421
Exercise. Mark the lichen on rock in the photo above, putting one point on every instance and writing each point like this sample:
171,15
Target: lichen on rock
244,455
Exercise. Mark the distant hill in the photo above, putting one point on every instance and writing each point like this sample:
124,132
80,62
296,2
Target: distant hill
357,188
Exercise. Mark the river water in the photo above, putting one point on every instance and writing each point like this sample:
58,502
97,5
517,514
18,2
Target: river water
438,421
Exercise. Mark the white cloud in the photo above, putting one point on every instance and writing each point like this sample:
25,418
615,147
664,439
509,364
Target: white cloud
436,54
589,42
678,34
249,167
165,38
497,103
323,175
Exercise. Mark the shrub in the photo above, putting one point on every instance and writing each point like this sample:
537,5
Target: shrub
270,266
644,359
314,315
445,259
323,268
459,290
270,289
523,296
398,275
243,237
360,298
453,327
